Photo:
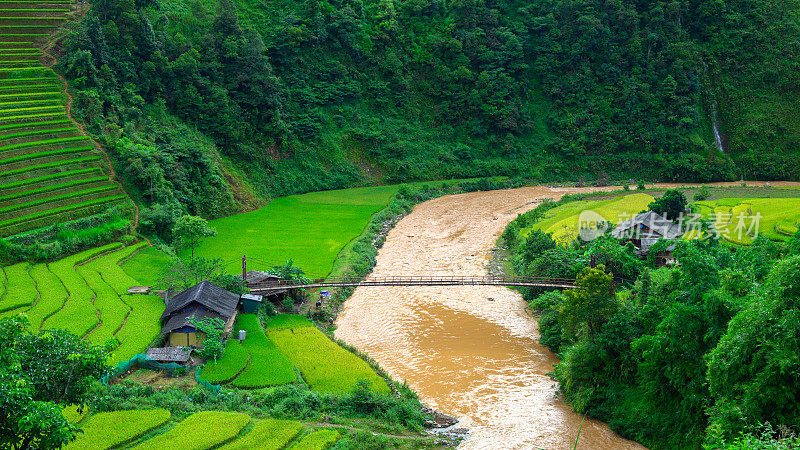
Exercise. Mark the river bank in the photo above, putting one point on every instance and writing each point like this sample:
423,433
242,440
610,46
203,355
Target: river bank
472,352
467,355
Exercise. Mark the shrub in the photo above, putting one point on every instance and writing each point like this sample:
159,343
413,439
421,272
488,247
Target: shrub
212,343
671,205
702,194
753,364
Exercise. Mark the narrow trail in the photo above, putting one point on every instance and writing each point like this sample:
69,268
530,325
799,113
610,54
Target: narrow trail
49,59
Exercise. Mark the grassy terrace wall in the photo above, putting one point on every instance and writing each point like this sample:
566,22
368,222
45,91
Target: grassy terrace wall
50,172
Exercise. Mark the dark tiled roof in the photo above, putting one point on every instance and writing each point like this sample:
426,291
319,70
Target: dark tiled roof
211,296
657,225
181,320
257,276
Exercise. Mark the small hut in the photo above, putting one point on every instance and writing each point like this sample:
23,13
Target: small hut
261,280
165,355
250,303
645,230
203,300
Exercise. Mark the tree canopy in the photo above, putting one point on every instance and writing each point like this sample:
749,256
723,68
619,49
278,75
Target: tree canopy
39,375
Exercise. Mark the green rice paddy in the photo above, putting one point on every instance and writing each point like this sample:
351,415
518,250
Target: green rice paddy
563,221
268,359
311,229
112,429
157,429
778,218
267,434
200,431
739,220
20,291
34,130
325,366
318,440
233,361
267,366
86,294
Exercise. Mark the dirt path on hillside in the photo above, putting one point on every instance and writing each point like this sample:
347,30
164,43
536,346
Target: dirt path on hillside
472,352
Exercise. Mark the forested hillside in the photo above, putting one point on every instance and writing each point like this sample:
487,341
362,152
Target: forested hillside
702,353
211,106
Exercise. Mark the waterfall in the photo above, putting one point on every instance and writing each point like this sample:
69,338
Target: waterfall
715,125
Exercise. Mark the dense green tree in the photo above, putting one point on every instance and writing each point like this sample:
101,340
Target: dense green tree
534,245
752,373
586,309
39,375
189,230
671,205
620,260
302,97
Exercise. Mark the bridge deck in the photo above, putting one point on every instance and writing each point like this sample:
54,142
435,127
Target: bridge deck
549,283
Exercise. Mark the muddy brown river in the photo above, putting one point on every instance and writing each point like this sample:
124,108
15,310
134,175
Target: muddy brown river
466,355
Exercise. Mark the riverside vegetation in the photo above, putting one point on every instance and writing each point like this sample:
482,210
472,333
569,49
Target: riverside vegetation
701,353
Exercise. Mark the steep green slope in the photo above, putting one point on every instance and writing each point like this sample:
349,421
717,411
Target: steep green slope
212,105
50,172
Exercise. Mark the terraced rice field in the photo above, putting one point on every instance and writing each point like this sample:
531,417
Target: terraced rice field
564,221
267,366
113,429
157,429
318,440
270,235
233,362
50,172
268,359
267,434
325,366
85,294
200,431
735,218
254,363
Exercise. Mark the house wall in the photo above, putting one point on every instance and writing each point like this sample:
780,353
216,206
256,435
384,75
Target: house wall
186,339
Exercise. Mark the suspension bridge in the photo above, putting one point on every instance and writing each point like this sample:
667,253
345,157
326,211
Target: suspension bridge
272,285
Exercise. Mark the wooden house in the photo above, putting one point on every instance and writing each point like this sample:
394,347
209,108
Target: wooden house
258,279
645,230
198,302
